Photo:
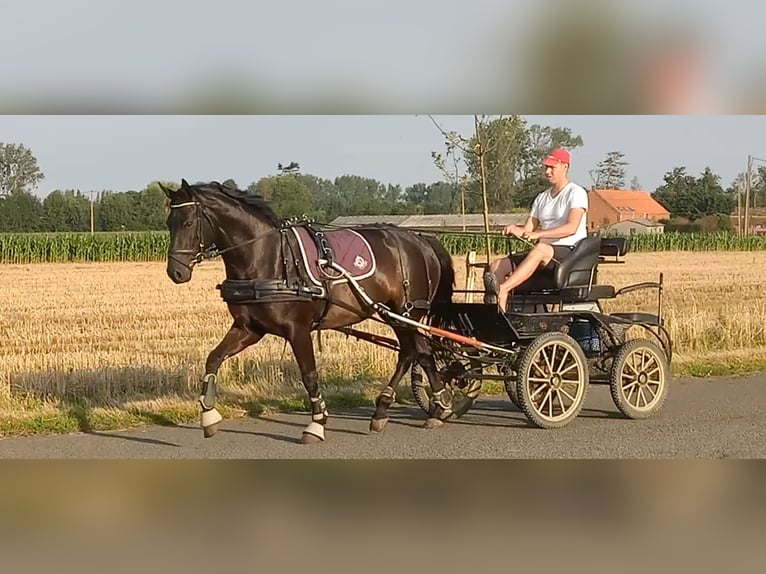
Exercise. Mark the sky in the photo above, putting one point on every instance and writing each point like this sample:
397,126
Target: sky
121,153
398,56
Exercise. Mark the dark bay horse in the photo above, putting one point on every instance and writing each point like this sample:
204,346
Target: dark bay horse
271,287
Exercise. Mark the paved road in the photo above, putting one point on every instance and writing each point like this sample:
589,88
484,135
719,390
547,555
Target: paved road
715,418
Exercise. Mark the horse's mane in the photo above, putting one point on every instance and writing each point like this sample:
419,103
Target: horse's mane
260,203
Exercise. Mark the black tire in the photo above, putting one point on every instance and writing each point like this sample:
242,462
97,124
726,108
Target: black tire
639,378
553,365
510,386
421,390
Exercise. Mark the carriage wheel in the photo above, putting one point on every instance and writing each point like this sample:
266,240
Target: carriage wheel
552,380
464,391
639,378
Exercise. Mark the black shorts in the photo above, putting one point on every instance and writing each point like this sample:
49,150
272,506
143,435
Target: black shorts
560,252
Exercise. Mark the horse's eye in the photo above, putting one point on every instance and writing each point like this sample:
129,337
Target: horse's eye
188,224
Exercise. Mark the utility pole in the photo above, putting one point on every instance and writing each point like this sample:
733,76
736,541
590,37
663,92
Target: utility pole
92,219
748,177
739,209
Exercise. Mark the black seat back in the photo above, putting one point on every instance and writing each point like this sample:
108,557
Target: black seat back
615,246
579,268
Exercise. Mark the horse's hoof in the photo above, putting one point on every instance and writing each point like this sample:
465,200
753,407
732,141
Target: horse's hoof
210,430
313,434
377,425
210,421
307,438
431,424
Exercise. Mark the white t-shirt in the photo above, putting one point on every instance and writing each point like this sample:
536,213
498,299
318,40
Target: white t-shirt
554,212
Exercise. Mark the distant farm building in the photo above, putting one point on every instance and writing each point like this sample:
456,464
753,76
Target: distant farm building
611,207
473,222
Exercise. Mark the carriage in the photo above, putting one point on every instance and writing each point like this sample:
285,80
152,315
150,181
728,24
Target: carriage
291,278
555,341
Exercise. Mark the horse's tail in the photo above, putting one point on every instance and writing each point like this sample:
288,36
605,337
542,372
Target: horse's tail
446,286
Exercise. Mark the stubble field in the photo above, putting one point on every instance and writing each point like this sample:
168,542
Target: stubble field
105,345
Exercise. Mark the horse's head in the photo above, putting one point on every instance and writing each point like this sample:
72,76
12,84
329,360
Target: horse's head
190,232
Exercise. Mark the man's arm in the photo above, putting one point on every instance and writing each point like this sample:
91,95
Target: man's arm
569,228
528,227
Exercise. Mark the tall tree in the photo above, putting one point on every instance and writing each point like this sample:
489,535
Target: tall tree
18,169
610,172
693,197
635,185
20,212
494,158
291,197
66,211
540,140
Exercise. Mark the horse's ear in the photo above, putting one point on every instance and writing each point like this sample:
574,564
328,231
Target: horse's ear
167,191
184,184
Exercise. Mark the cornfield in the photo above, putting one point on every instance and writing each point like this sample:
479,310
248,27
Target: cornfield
22,248
146,246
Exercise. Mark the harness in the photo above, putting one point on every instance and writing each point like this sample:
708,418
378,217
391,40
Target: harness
255,291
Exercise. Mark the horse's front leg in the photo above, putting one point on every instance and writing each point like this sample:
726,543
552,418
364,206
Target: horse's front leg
303,349
235,341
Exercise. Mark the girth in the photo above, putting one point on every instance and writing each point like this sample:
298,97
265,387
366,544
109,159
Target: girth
245,291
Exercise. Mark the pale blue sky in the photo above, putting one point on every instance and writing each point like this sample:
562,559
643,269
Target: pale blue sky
128,152
301,56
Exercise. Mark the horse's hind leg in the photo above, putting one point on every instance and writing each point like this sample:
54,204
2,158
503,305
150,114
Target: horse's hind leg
235,341
303,349
407,356
442,395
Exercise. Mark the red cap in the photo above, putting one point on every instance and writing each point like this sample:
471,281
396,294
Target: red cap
558,156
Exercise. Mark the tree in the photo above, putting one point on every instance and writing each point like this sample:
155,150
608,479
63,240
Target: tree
610,172
635,185
150,208
20,212
18,169
291,197
66,211
686,196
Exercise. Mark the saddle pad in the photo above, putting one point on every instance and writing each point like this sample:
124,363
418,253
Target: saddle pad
349,249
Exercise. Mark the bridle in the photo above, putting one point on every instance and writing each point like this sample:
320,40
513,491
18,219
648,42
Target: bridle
211,252
200,254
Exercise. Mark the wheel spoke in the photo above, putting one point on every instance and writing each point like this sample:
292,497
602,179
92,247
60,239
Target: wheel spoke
548,359
564,356
570,397
631,385
537,390
631,366
538,380
654,370
545,400
564,408
574,365
650,393
641,396
541,370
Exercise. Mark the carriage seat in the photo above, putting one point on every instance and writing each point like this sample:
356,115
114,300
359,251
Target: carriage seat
615,247
579,269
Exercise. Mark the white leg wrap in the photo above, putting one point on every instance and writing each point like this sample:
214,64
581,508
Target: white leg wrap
211,417
315,429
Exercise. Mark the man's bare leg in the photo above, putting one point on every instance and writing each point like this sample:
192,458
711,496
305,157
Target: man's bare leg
540,256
